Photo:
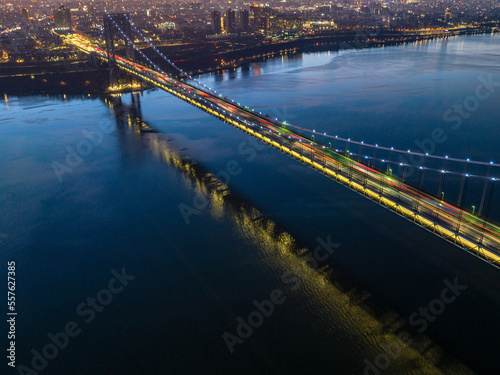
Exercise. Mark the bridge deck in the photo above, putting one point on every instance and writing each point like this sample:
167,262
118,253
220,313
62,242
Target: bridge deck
457,226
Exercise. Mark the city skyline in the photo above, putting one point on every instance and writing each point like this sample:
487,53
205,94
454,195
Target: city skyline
250,188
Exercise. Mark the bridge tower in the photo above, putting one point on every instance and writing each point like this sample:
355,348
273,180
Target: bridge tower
112,34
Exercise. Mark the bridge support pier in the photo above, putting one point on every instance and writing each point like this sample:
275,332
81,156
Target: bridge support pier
111,23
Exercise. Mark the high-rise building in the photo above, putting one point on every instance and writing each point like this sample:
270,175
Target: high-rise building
62,18
230,21
216,22
24,14
260,17
244,24
255,12
447,14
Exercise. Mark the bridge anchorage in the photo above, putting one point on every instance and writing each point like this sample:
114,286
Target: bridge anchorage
447,196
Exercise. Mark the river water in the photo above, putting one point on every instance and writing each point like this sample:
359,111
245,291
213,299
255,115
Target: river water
218,233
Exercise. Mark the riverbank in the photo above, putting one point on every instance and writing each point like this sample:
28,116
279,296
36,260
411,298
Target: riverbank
78,76
75,77
334,42
52,77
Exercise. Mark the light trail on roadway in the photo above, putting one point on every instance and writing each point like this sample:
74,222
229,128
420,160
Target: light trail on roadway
456,225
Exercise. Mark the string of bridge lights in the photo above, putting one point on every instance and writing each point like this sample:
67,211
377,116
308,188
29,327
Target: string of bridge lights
422,168
161,70
388,162
392,149
135,47
167,59
313,132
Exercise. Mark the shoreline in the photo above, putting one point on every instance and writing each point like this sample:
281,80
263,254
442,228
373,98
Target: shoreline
62,78
328,45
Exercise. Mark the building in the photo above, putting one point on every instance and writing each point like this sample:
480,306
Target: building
216,22
255,16
230,21
324,9
244,22
167,25
24,14
289,22
62,18
448,14
261,17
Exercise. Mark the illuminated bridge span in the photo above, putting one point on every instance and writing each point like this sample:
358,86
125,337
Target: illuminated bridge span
408,183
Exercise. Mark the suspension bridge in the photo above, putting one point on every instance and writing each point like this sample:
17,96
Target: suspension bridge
408,183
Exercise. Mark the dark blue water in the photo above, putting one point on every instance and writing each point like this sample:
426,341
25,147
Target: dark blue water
209,222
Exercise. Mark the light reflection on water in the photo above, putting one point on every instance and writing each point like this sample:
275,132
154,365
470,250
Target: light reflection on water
343,310
331,311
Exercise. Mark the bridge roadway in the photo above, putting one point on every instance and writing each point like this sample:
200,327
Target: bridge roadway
467,231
